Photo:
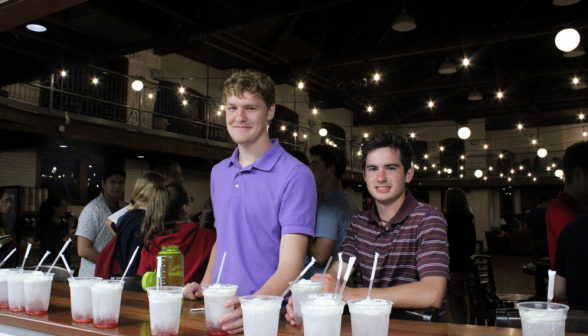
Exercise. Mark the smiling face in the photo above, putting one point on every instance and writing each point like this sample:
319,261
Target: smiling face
175,175
385,177
247,119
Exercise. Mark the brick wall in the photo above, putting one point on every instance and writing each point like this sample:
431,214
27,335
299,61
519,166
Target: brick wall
18,167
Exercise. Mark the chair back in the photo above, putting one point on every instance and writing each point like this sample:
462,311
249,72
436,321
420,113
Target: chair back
480,273
61,274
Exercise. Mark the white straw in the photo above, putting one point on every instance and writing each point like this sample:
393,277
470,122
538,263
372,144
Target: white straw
373,274
326,268
42,259
67,268
60,253
298,277
26,256
550,286
158,272
129,265
339,272
347,273
221,268
8,256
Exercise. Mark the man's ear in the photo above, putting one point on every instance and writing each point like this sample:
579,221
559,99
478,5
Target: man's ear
270,112
331,170
409,175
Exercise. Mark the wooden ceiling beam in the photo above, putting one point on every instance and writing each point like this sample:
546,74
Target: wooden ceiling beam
44,39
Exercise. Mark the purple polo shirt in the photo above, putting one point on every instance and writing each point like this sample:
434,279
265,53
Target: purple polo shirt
253,207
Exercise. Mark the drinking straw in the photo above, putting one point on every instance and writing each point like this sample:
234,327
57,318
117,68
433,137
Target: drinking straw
67,268
346,277
8,256
373,274
60,253
158,273
550,286
129,265
326,268
42,259
195,310
221,268
298,277
26,256
339,272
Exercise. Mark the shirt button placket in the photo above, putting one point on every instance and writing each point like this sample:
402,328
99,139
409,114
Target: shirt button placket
237,184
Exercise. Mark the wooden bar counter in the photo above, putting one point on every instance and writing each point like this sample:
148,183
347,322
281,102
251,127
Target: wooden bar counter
134,320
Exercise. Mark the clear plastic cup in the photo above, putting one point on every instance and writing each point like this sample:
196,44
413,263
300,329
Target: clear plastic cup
106,296
81,298
537,319
322,314
370,317
215,297
165,309
4,288
16,298
261,314
299,291
37,292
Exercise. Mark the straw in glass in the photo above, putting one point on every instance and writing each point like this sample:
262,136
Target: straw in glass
346,277
42,259
158,273
26,256
221,268
129,265
298,277
60,253
326,268
339,271
550,286
8,256
67,268
373,274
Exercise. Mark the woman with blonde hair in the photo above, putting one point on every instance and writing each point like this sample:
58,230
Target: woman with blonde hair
128,229
166,223
461,234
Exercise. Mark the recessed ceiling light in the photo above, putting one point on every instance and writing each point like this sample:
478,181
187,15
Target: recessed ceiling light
36,28
63,146
140,156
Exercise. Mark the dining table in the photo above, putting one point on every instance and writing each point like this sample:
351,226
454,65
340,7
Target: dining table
134,320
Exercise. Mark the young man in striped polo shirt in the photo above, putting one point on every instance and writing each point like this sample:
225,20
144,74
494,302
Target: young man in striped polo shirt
410,236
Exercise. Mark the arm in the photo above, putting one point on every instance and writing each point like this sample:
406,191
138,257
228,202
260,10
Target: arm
321,249
192,290
559,289
86,249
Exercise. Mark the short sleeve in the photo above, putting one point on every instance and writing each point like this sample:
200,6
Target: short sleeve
88,223
298,207
349,247
327,223
559,264
432,246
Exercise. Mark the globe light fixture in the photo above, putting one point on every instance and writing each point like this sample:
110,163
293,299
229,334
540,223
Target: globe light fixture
322,132
542,152
137,85
567,39
478,173
449,171
464,133
559,173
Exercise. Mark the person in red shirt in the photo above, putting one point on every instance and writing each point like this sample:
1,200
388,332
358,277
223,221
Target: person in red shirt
166,223
570,203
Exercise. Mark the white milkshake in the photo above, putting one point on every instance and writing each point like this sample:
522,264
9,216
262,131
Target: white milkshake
538,320
370,317
81,298
106,296
299,291
165,308
16,299
37,292
4,288
322,314
261,314
215,297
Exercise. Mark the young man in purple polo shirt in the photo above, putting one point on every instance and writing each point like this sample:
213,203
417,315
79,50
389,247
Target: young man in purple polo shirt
264,201
411,237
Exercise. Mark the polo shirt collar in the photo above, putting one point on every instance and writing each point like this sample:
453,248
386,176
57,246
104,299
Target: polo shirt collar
266,162
406,209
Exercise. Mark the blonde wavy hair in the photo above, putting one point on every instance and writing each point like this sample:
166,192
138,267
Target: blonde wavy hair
144,189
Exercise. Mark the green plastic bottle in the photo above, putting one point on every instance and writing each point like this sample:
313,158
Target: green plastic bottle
172,268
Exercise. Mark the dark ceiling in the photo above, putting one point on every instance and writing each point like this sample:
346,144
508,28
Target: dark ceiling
332,46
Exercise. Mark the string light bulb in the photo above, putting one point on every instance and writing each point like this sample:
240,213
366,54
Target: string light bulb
490,168
95,80
369,109
295,134
584,131
575,80
463,157
365,135
441,148
581,116
283,128
412,135
376,77
182,90
499,95
433,165
63,73
219,112
426,156
466,62
314,111
520,126
222,107
304,136
301,85
534,142
485,146
431,104
150,96
185,102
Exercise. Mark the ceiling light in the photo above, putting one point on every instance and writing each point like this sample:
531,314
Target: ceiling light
151,96
222,107
460,175
485,178
466,62
534,142
376,77
447,67
463,157
295,134
449,171
460,167
485,146
581,116
559,173
366,135
301,85
36,28
185,102
369,109
565,2
63,146
140,156
433,165
182,90
441,148
575,80
464,133
314,111
475,94
404,22
499,95
584,132
426,156
509,179
490,168
567,39
501,174
95,80
520,126
425,167
283,128
512,171
63,73
520,167
219,112
500,155
439,172
431,104
412,135
553,165
137,85
304,136
579,51
322,132
478,173
529,174
534,179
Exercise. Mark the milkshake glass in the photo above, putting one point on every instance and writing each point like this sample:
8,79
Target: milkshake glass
37,292
299,291
370,317
215,297
322,314
261,314
106,296
4,288
537,319
16,299
81,298
165,309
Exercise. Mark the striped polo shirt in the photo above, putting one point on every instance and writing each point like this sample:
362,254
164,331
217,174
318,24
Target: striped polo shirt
412,246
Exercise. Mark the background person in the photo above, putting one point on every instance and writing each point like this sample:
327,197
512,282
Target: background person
535,220
171,171
50,231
